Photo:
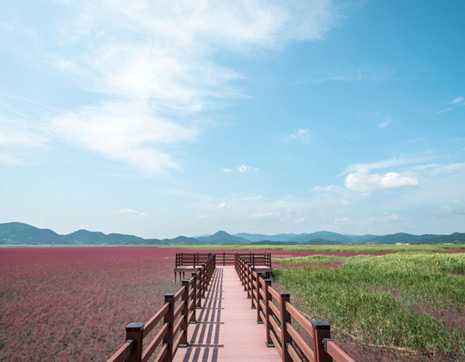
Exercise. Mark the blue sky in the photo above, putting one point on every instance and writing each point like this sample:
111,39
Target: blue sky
182,118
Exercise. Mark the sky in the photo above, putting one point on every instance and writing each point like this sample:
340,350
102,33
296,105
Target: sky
167,118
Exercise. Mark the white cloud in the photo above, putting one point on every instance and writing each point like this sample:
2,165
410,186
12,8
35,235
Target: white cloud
17,137
132,211
20,134
382,164
393,217
302,133
453,207
347,73
364,182
241,169
458,100
245,168
10,160
325,188
158,58
223,205
262,215
385,123
124,132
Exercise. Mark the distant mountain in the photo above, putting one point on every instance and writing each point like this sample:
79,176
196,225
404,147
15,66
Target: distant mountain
181,240
324,235
304,238
316,241
404,238
92,237
222,237
16,233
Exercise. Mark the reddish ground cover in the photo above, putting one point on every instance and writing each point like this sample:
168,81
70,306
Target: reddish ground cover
72,304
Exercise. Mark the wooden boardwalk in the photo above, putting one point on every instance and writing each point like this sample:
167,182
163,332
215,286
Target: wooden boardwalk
227,329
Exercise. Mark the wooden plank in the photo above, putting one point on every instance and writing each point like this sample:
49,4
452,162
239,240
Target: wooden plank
338,354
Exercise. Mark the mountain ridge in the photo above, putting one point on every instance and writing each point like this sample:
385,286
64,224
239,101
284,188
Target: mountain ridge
19,234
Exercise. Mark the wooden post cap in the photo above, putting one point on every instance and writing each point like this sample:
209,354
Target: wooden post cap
320,324
135,327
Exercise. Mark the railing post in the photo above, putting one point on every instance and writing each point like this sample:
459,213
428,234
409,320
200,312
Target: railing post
285,318
252,289
321,330
248,280
169,318
259,307
269,342
185,313
194,296
198,288
134,333
204,280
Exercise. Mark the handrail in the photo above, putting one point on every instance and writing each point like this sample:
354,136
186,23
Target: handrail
173,332
155,319
280,332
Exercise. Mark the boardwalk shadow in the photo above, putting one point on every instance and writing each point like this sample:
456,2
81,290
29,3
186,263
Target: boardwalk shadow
204,341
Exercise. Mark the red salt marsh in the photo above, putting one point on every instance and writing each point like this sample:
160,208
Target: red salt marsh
72,304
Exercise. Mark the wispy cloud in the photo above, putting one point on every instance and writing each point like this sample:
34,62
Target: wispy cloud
301,133
223,205
459,101
325,188
132,211
125,132
385,123
348,73
246,168
155,65
392,162
241,169
19,137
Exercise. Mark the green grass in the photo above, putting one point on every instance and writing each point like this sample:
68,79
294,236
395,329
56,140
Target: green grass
314,259
382,299
334,248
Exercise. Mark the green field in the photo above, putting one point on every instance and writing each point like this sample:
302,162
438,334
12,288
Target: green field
408,303
411,302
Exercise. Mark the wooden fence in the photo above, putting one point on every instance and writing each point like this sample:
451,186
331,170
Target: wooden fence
276,312
178,311
186,260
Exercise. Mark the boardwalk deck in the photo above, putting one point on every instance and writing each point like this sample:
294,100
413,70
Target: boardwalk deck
227,329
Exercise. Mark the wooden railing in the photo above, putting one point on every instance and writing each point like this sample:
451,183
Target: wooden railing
185,260
191,259
177,312
276,311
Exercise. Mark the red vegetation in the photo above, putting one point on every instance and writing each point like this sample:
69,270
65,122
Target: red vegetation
72,304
